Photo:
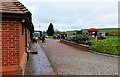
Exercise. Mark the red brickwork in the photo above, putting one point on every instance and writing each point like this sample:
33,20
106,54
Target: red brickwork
22,49
11,70
0,48
10,42
13,43
14,47
81,47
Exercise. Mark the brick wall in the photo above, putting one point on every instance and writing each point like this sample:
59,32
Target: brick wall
81,47
0,47
10,46
10,42
13,47
22,49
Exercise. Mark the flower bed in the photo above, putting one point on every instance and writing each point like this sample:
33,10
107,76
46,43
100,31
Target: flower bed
106,46
76,45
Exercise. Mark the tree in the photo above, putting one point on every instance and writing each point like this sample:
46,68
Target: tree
50,30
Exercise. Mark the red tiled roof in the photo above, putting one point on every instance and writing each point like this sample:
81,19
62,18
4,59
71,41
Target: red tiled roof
92,30
12,6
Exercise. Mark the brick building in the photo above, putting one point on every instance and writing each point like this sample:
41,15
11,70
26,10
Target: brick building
15,32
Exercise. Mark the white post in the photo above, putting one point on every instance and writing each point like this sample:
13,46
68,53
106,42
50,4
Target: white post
96,40
39,27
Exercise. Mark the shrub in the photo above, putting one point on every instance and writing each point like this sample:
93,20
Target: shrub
88,43
80,39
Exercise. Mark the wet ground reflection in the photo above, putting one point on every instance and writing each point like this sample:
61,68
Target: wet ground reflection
38,64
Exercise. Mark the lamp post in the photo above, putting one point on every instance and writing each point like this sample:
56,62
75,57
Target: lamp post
39,30
39,27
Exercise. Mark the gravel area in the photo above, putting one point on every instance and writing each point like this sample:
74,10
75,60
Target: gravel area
67,60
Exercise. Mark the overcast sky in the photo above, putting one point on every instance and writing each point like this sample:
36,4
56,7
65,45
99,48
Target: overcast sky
73,14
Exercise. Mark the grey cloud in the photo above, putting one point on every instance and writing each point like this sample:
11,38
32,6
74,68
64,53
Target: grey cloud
66,15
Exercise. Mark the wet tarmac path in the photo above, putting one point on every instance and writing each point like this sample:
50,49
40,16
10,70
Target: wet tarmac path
38,64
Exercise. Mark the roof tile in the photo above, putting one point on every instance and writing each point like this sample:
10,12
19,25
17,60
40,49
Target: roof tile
12,6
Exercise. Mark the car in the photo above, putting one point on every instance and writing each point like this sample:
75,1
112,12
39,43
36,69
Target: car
46,36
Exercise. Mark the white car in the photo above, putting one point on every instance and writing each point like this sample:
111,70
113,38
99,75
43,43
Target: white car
46,36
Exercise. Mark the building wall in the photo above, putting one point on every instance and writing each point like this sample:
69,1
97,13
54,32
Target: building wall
14,56
22,48
10,42
0,48
10,45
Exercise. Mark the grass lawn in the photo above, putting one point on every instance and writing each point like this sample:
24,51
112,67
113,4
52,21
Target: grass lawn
105,30
113,37
109,45
51,37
